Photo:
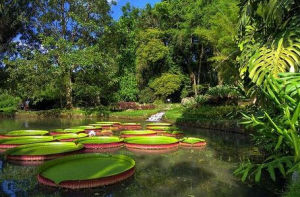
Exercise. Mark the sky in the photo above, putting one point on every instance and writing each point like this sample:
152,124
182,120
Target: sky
117,9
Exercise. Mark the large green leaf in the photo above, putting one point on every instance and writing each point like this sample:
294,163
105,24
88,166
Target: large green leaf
274,60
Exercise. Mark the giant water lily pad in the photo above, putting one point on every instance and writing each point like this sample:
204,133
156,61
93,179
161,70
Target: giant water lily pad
131,124
192,140
159,124
16,141
161,128
70,136
151,140
138,132
47,148
102,124
99,140
26,139
27,133
86,170
103,142
67,130
86,127
108,123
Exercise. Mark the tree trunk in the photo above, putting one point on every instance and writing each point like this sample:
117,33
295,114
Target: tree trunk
193,78
69,101
200,64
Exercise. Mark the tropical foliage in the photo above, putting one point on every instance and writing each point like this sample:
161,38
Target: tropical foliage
269,41
68,53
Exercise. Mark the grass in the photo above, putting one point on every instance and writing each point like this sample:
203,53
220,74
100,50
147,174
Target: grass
135,113
174,113
75,112
203,113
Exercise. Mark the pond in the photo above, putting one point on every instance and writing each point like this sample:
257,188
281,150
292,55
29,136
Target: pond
186,172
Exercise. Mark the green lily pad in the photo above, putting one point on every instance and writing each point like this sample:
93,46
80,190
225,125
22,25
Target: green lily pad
108,122
151,140
129,124
159,124
27,133
47,148
68,130
162,128
137,132
102,124
175,132
99,140
86,127
70,136
192,140
26,140
85,167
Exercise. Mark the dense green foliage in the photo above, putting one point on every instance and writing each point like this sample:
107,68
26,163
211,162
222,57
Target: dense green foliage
205,53
269,41
9,103
77,55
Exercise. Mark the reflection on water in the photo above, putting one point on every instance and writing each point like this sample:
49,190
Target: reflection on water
185,172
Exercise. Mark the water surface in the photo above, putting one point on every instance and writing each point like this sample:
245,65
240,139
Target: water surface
186,172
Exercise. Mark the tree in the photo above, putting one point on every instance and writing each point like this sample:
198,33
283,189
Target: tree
166,85
15,18
153,56
219,29
68,35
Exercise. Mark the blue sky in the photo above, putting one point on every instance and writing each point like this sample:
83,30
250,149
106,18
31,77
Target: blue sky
117,9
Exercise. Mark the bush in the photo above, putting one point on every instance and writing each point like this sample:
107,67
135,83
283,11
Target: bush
9,103
128,87
213,112
221,95
134,106
127,105
223,91
166,85
201,99
188,102
147,96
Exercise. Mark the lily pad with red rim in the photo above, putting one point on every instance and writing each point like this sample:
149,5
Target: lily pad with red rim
42,151
86,170
101,142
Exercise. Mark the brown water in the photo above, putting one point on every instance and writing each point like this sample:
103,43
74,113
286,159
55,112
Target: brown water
184,173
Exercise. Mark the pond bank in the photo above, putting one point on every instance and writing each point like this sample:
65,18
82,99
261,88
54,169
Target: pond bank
220,125
208,117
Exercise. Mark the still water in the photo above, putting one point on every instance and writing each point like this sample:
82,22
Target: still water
184,173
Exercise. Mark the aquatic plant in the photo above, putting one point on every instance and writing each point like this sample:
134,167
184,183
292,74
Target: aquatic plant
26,132
17,141
101,142
86,170
42,151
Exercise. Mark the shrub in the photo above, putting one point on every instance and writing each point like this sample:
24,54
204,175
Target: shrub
212,112
127,105
223,91
166,85
147,106
188,102
9,103
147,96
128,87
201,99
220,95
